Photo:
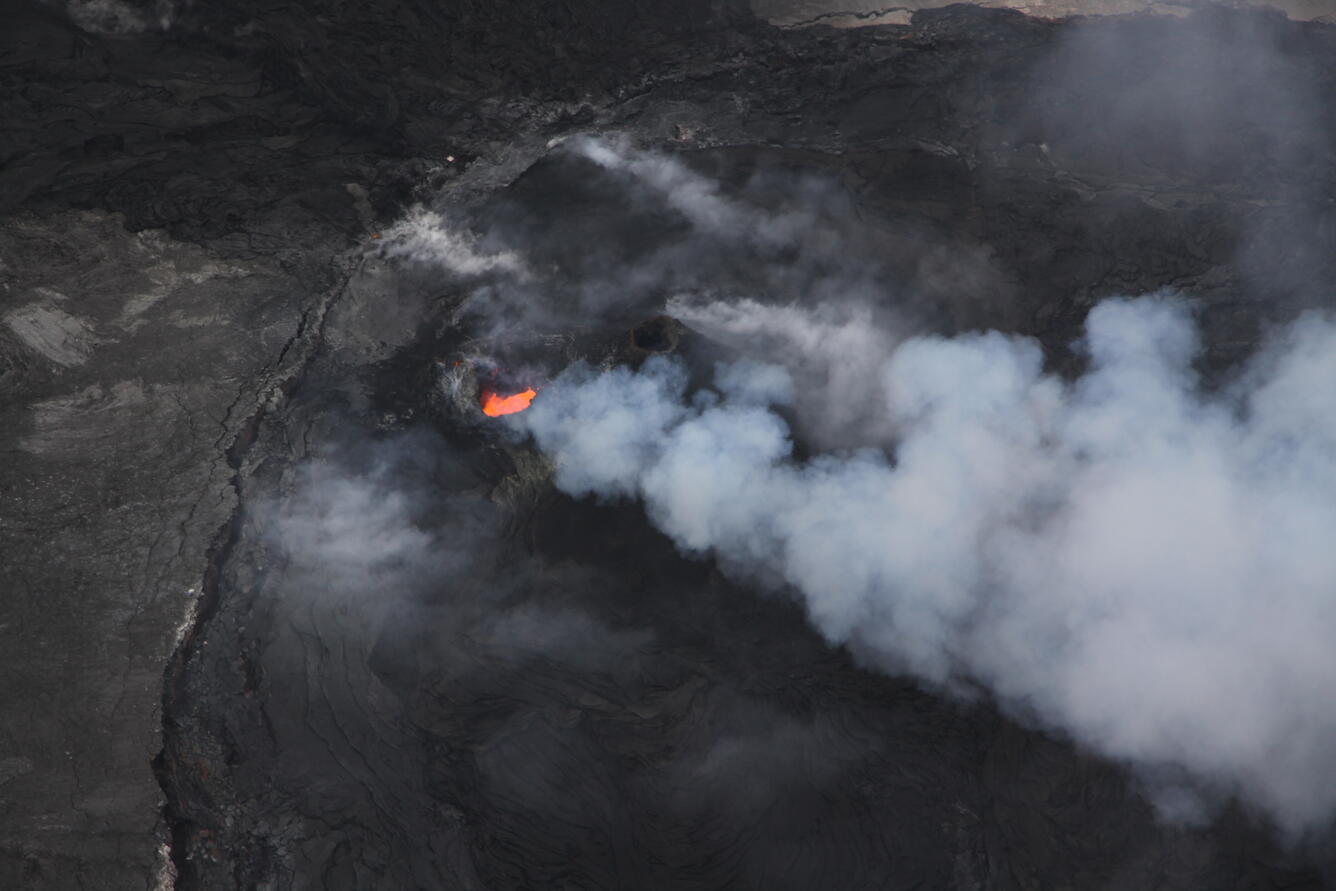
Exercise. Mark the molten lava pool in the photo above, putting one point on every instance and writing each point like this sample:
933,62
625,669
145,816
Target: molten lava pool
495,405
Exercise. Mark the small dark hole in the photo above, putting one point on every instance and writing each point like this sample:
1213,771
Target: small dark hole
658,335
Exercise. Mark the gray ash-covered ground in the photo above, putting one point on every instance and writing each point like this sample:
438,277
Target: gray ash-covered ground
277,616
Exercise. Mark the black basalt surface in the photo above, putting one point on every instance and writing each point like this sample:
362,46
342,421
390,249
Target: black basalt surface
206,359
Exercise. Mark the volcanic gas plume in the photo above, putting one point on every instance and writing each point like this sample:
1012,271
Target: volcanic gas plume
1131,557
1122,557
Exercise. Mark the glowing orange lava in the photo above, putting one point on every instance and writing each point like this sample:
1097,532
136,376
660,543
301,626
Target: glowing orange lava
494,405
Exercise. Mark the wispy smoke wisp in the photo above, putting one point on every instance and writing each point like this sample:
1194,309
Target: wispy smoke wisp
366,533
835,353
1123,557
424,236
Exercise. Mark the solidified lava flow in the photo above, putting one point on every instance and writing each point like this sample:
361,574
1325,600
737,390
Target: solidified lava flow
250,310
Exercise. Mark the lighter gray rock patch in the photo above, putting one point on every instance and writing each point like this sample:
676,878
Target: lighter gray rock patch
64,339
862,13
101,417
14,767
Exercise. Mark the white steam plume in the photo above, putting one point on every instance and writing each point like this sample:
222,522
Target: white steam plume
1144,566
696,197
834,352
424,236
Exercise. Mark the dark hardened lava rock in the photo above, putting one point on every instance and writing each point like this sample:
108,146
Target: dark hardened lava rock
193,311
